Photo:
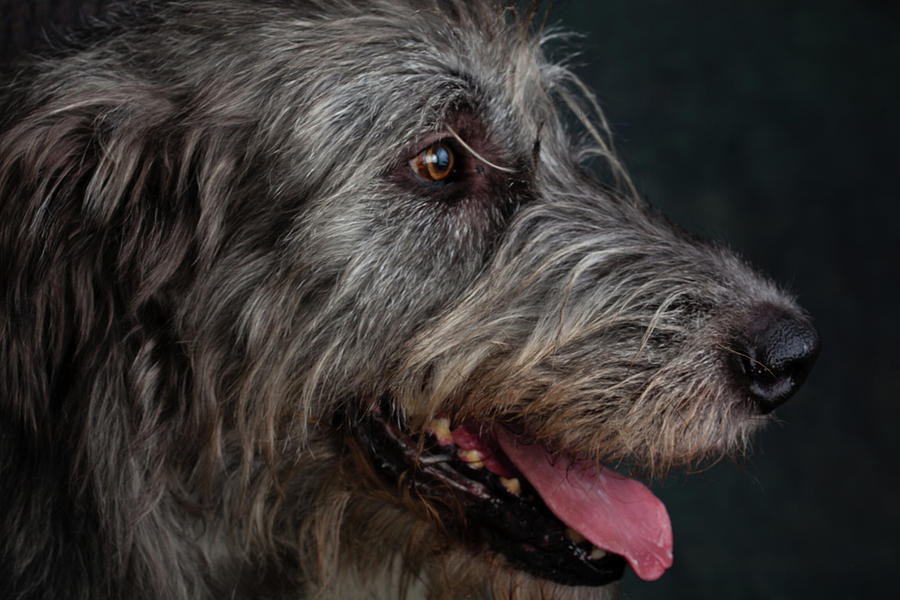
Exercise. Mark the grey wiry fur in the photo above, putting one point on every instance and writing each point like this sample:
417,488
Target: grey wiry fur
215,257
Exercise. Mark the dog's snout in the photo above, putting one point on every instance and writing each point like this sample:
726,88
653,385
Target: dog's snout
775,358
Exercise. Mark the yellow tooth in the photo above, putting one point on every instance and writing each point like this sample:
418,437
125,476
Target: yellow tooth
574,535
474,458
441,429
512,485
597,553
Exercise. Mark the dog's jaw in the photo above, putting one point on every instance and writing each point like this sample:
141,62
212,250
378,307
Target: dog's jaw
552,517
616,513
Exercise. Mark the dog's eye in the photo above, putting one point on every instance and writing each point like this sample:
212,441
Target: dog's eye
434,164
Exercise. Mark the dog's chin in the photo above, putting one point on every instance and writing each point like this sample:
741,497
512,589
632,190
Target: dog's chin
567,521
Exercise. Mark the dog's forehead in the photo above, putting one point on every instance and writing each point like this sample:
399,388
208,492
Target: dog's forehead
424,64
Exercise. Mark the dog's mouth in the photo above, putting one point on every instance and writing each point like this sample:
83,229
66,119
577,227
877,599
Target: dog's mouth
565,520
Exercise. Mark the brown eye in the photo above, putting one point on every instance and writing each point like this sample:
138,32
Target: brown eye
434,164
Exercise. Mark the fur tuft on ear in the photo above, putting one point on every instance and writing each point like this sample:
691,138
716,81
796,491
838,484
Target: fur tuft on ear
99,220
105,219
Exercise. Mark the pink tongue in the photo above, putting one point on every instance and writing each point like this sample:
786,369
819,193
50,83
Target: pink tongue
614,513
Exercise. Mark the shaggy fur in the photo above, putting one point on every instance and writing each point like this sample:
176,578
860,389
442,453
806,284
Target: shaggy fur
215,259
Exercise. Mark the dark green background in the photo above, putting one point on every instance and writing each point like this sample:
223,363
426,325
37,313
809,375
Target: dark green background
772,125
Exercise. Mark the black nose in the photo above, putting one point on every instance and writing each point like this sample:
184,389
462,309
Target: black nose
776,358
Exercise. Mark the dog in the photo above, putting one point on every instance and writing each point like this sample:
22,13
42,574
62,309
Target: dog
322,299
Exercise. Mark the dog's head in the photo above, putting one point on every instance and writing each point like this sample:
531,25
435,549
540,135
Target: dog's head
351,253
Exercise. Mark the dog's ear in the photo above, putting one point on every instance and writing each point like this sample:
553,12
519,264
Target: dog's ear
112,205
102,224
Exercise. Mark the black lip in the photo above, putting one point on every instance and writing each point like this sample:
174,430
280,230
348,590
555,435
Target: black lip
519,527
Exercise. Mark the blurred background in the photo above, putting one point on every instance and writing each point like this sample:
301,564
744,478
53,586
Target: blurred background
773,126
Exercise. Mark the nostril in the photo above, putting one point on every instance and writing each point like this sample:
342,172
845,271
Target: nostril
776,359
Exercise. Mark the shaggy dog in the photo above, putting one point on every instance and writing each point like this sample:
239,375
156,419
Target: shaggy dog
318,299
